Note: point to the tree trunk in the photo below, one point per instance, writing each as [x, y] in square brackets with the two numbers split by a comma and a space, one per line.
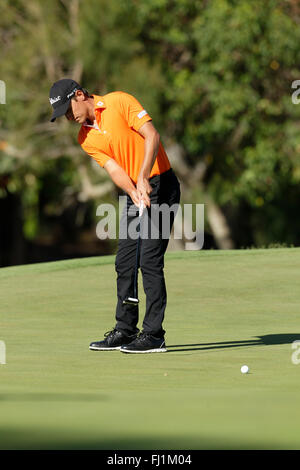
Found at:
[219, 226]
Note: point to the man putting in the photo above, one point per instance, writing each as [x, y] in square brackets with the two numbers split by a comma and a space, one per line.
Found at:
[118, 133]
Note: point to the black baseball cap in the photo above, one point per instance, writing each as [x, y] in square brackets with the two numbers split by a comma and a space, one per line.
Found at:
[60, 96]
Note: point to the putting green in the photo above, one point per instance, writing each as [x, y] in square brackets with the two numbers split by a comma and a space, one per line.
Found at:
[225, 309]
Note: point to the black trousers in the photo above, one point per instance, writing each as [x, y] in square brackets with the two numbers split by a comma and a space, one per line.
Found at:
[153, 245]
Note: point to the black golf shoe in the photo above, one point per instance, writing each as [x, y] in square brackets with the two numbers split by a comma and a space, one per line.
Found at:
[113, 339]
[145, 343]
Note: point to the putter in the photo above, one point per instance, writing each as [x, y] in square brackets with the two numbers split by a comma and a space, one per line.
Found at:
[134, 300]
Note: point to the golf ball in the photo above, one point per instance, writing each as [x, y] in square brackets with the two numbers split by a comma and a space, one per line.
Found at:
[245, 369]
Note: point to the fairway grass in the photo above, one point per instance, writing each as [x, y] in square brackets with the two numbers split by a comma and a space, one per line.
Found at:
[225, 309]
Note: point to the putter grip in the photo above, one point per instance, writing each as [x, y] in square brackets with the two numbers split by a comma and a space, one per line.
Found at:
[141, 208]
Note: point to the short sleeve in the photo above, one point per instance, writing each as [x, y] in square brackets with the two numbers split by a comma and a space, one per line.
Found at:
[133, 111]
[100, 157]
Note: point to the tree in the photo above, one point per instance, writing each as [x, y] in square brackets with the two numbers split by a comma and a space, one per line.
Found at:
[216, 78]
[229, 68]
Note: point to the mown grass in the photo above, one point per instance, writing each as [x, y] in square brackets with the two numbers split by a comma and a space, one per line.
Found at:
[225, 309]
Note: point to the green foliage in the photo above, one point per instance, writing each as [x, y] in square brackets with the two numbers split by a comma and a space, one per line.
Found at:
[230, 65]
[215, 76]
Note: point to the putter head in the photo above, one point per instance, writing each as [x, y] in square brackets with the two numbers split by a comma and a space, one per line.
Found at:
[131, 301]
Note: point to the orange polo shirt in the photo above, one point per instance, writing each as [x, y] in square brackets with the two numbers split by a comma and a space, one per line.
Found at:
[119, 116]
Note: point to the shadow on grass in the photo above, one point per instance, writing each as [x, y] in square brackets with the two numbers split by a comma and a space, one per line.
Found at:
[41, 439]
[260, 341]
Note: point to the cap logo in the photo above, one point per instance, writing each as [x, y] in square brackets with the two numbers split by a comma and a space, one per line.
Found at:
[69, 95]
[54, 100]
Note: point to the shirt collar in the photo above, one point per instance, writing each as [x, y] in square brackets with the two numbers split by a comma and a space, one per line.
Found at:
[98, 104]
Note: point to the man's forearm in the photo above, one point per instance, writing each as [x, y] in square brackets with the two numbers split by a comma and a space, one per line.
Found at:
[151, 146]
[150, 151]
[119, 177]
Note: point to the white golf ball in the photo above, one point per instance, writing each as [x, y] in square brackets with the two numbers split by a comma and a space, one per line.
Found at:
[245, 369]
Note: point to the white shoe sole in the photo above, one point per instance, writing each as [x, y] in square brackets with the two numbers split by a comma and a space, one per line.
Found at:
[104, 349]
[159, 350]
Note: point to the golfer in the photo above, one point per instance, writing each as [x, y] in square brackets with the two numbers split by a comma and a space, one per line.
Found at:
[117, 132]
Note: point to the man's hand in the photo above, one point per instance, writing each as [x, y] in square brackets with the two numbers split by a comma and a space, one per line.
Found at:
[135, 197]
[144, 189]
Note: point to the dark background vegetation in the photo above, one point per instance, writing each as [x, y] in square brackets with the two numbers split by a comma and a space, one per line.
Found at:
[216, 78]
